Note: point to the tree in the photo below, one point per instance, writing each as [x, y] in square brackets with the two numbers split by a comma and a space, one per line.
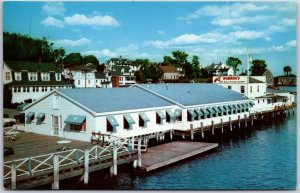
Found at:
[195, 65]
[258, 67]
[90, 59]
[73, 59]
[100, 68]
[58, 55]
[168, 60]
[233, 62]
[287, 69]
[147, 71]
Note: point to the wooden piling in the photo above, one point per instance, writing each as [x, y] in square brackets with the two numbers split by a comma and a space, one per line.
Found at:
[139, 162]
[230, 124]
[132, 142]
[157, 137]
[13, 176]
[171, 135]
[115, 159]
[222, 125]
[192, 132]
[252, 118]
[212, 128]
[86, 167]
[55, 184]
[245, 119]
[202, 132]
[239, 121]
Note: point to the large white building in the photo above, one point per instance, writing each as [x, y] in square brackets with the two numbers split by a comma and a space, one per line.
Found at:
[29, 80]
[136, 111]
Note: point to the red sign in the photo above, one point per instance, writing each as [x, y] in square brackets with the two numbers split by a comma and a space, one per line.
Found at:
[229, 79]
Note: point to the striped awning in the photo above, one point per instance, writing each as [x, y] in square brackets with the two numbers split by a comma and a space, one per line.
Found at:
[210, 110]
[129, 119]
[161, 115]
[171, 114]
[243, 106]
[112, 120]
[234, 107]
[199, 112]
[225, 108]
[40, 116]
[230, 108]
[144, 117]
[177, 112]
[216, 109]
[246, 105]
[251, 103]
[75, 119]
[192, 112]
[30, 115]
[205, 111]
[239, 106]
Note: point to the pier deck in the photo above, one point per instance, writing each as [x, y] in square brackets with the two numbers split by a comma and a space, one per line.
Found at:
[169, 153]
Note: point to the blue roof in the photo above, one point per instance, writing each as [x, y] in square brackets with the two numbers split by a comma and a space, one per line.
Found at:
[114, 99]
[189, 94]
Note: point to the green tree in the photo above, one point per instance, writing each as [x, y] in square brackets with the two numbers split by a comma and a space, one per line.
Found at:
[234, 63]
[196, 69]
[148, 72]
[58, 55]
[168, 60]
[90, 59]
[287, 70]
[258, 67]
[73, 59]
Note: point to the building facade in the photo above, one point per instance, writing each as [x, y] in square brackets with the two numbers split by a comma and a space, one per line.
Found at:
[169, 73]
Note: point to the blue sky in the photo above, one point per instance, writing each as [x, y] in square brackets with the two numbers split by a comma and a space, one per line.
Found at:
[213, 31]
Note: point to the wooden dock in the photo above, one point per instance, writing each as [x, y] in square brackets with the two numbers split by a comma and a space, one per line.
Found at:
[169, 153]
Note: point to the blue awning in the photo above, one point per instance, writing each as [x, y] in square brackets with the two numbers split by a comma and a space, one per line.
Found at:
[21, 106]
[144, 117]
[251, 103]
[216, 110]
[40, 116]
[30, 115]
[242, 106]
[192, 112]
[199, 112]
[161, 115]
[205, 111]
[239, 106]
[177, 112]
[246, 105]
[225, 108]
[210, 110]
[129, 119]
[233, 107]
[112, 120]
[75, 119]
[172, 115]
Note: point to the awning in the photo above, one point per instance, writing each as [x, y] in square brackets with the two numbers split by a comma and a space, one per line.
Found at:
[230, 108]
[239, 106]
[243, 106]
[199, 112]
[112, 120]
[129, 119]
[161, 115]
[40, 116]
[21, 106]
[233, 107]
[75, 119]
[216, 110]
[251, 103]
[246, 105]
[236, 107]
[144, 117]
[172, 115]
[210, 110]
[177, 112]
[225, 108]
[205, 111]
[30, 115]
[192, 112]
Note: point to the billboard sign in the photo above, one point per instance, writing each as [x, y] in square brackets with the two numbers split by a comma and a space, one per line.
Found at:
[229, 79]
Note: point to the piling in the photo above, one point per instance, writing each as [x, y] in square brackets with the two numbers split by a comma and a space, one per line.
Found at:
[139, 162]
[239, 121]
[192, 132]
[132, 142]
[13, 176]
[86, 167]
[222, 125]
[115, 160]
[55, 184]
[252, 117]
[212, 128]
[245, 119]
[230, 124]
[202, 132]
[171, 135]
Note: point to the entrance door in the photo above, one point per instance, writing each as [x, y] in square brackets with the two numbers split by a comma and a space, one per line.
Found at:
[55, 125]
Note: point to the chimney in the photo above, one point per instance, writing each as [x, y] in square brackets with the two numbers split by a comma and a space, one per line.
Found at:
[115, 81]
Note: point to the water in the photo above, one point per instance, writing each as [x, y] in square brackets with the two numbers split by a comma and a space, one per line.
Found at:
[262, 159]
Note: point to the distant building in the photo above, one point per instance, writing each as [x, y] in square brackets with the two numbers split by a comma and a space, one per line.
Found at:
[83, 78]
[102, 80]
[169, 73]
[220, 69]
[125, 75]
[268, 74]
[29, 80]
[290, 80]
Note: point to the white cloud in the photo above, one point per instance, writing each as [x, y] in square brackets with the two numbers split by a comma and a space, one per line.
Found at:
[51, 21]
[106, 53]
[291, 43]
[54, 8]
[288, 22]
[239, 20]
[72, 43]
[81, 19]
[247, 35]
[276, 28]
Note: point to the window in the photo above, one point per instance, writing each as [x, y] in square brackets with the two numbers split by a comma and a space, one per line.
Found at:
[257, 88]
[78, 128]
[263, 100]
[7, 75]
[15, 89]
[18, 76]
[269, 101]
[45, 76]
[28, 88]
[229, 87]
[58, 76]
[250, 89]
[242, 89]
[19, 89]
[78, 82]
[257, 101]
[32, 76]
[24, 89]
[55, 101]
[89, 81]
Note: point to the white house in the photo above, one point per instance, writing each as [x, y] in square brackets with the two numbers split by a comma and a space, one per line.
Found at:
[102, 80]
[7, 74]
[220, 69]
[32, 80]
[84, 79]
[169, 73]
[135, 111]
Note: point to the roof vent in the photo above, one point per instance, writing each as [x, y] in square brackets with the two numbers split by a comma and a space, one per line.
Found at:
[189, 92]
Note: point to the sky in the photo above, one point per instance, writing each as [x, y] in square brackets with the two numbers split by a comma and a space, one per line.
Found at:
[213, 31]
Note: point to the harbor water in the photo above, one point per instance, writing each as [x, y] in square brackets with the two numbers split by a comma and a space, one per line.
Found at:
[261, 159]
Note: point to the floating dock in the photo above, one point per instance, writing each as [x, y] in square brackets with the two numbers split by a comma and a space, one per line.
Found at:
[165, 154]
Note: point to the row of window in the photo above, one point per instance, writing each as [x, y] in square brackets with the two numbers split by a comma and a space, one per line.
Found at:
[35, 88]
[243, 88]
[33, 76]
